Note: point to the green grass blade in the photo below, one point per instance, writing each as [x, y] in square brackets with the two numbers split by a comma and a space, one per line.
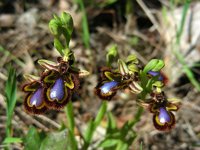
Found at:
[178, 55]
[86, 33]
[11, 89]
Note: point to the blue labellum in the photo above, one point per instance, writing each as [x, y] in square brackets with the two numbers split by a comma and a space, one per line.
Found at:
[36, 99]
[164, 115]
[108, 86]
[156, 73]
[57, 91]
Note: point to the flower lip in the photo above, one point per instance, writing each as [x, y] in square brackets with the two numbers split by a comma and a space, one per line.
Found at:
[105, 88]
[57, 91]
[36, 99]
[164, 116]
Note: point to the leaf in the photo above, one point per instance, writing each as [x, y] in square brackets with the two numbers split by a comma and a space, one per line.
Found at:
[111, 54]
[10, 140]
[89, 132]
[112, 125]
[122, 146]
[108, 143]
[33, 139]
[56, 141]
[101, 113]
[72, 141]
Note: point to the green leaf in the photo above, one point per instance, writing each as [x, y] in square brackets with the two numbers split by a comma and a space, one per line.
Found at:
[154, 65]
[92, 125]
[112, 125]
[122, 146]
[101, 113]
[108, 143]
[89, 132]
[111, 54]
[32, 140]
[10, 91]
[10, 140]
[72, 141]
[56, 141]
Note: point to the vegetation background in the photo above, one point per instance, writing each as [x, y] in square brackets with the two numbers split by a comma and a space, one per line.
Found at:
[163, 29]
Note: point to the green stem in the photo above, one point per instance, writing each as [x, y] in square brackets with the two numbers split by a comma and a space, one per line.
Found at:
[71, 125]
[70, 115]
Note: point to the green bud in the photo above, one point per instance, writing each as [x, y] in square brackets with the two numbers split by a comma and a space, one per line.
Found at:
[132, 59]
[133, 68]
[154, 65]
[111, 55]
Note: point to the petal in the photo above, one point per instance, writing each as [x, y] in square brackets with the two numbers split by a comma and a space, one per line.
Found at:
[83, 73]
[50, 76]
[123, 69]
[107, 90]
[164, 121]
[135, 87]
[172, 107]
[31, 87]
[153, 108]
[57, 95]
[76, 81]
[34, 102]
[69, 81]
